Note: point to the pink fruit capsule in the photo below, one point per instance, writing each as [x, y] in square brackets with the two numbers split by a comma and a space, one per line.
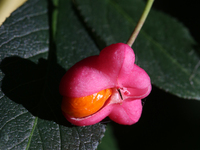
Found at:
[114, 69]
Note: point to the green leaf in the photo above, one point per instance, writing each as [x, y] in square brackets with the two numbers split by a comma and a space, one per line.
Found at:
[31, 69]
[72, 40]
[164, 47]
[109, 141]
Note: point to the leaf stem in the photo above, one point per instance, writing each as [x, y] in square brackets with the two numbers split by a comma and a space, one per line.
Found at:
[140, 23]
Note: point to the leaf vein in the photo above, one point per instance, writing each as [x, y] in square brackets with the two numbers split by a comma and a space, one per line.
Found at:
[29, 16]
[18, 143]
[13, 119]
[32, 132]
[23, 35]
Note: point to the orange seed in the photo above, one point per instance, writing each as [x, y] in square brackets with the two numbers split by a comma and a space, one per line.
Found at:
[85, 106]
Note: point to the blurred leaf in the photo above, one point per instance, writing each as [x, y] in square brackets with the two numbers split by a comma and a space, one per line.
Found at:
[7, 7]
[109, 141]
[30, 114]
[164, 47]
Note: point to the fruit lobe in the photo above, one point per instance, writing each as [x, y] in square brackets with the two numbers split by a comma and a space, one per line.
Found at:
[85, 106]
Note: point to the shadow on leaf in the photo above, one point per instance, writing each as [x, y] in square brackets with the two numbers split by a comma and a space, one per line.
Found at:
[35, 86]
